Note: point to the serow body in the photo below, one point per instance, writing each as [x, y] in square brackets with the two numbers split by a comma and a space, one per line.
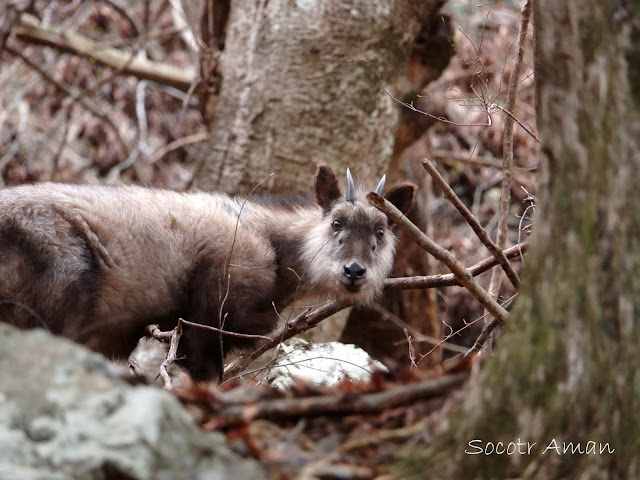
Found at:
[97, 264]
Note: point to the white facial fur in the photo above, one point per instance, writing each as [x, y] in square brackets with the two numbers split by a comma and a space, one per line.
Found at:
[326, 252]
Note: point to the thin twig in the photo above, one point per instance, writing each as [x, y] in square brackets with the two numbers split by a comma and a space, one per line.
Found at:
[299, 324]
[172, 355]
[415, 335]
[55, 163]
[155, 332]
[411, 107]
[487, 329]
[136, 28]
[450, 195]
[187, 29]
[227, 274]
[532, 206]
[507, 169]
[412, 350]
[224, 332]
[178, 143]
[452, 157]
[70, 92]
[271, 363]
[513, 118]
[462, 274]
[12, 16]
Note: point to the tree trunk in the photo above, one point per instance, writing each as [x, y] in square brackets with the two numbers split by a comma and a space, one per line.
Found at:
[566, 370]
[295, 90]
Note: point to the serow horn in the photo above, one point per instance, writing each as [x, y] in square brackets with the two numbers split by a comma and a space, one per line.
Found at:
[380, 186]
[351, 188]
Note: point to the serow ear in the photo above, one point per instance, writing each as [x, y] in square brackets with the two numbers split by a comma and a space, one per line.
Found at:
[402, 197]
[327, 188]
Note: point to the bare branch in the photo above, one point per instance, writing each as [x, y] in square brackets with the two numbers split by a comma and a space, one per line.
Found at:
[486, 332]
[507, 169]
[12, 13]
[452, 157]
[76, 95]
[412, 334]
[185, 26]
[450, 195]
[449, 280]
[136, 28]
[462, 274]
[222, 331]
[179, 143]
[301, 323]
[172, 355]
[526, 128]
[155, 332]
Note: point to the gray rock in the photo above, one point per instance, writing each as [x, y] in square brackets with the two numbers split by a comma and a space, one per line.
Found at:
[64, 415]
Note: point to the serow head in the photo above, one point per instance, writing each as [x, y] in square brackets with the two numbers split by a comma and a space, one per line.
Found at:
[350, 252]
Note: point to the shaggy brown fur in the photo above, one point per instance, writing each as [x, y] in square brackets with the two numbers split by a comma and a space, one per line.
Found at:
[97, 264]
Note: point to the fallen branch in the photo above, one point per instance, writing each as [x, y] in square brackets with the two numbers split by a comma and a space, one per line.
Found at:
[382, 436]
[462, 274]
[29, 29]
[335, 404]
[450, 195]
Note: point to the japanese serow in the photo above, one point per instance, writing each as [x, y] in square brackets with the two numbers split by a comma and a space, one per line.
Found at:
[97, 264]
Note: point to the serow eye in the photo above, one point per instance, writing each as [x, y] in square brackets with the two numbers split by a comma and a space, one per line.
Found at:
[380, 233]
[336, 225]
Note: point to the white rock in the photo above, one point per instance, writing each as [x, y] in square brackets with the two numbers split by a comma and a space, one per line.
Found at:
[320, 363]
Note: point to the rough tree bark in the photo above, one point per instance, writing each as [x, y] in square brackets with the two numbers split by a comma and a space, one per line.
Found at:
[291, 97]
[566, 370]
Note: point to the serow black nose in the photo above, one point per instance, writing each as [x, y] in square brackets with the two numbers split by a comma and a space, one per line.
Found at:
[354, 271]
